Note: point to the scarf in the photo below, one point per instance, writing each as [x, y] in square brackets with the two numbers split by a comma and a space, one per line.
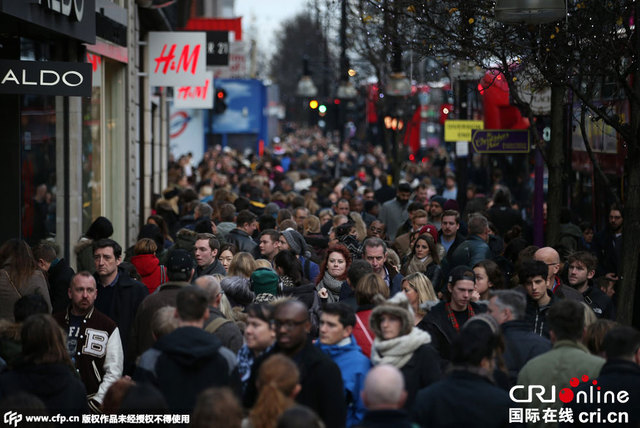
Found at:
[331, 284]
[286, 282]
[399, 350]
[415, 265]
[452, 316]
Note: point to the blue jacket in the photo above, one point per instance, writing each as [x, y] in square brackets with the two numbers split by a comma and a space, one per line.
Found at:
[354, 367]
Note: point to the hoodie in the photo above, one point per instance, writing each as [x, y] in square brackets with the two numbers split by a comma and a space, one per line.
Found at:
[148, 266]
[184, 363]
[354, 367]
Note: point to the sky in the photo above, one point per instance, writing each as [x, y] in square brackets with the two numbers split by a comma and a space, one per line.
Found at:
[266, 16]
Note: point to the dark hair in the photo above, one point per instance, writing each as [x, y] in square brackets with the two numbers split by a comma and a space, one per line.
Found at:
[346, 314]
[101, 228]
[161, 223]
[43, 341]
[131, 270]
[104, 243]
[495, 275]
[595, 333]
[191, 303]
[273, 234]
[586, 258]
[16, 259]
[299, 417]
[29, 305]
[338, 248]
[244, 217]
[227, 212]
[44, 251]
[367, 288]
[531, 268]
[475, 342]
[153, 232]
[290, 265]
[266, 221]
[233, 248]
[621, 342]
[433, 249]
[566, 319]
[262, 311]
[216, 407]
[203, 225]
[143, 398]
[357, 270]
[214, 244]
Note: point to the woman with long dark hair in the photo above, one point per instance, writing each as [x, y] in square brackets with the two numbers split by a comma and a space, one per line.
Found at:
[19, 276]
[424, 258]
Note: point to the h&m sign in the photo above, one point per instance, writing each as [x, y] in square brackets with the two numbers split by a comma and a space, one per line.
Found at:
[45, 78]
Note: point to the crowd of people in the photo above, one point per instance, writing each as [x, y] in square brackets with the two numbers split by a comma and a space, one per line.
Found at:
[302, 289]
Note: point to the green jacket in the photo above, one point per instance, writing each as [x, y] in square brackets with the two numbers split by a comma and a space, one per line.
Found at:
[567, 359]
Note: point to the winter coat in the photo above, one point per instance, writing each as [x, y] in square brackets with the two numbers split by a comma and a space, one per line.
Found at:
[59, 276]
[141, 338]
[56, 385]
[386, 418]
[566, 360]
[321, 381]
[212, 269]
[521, 345]
[184, 363]
[393, 214]
[84, 256]
[504, 218]
[152, 272]
[242, 240]
[470, 252]
[535, 316]
[228, 333]
[9, 294]
[362, 332]
[599, 302]
[354, 367]
[462, 399]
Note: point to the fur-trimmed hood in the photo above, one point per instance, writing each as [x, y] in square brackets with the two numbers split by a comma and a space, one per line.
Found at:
[397, 306]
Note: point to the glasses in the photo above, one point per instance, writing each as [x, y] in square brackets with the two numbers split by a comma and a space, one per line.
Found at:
[288, 324]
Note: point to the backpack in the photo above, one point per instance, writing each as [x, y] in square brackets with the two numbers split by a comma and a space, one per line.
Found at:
[214, 325]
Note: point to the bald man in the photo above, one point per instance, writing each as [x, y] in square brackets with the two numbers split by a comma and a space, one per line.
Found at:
[384, 396]
[552, 259]
[320, 378]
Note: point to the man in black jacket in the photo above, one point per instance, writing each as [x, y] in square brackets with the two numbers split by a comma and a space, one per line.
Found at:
[384, 396]
[241, 236]
[206, 255]
[188, 360]
[118, 295]
[320, 378]
[507, 308]
[58, 273]
[582, 268]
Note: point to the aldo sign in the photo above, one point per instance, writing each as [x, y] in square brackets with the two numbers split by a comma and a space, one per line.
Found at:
[45, 78]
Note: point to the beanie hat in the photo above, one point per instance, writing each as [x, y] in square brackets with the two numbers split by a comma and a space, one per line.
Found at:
[179, 261]
[296, 242]
[264, 280]
[429, 229]
[451, 204]
[101, 228]
[440, 200]
[397, 306]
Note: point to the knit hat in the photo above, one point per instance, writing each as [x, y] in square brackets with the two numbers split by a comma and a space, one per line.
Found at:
[451, 204]
[264, 280]
[439, 200]
[101, 228]
[180, 261]
[296, 242]
[431, 230]
[397, 306]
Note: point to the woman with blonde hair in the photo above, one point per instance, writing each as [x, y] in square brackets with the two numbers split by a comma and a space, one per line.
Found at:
[419, 291]
[361, 227]
[278, 384]
[243, 264]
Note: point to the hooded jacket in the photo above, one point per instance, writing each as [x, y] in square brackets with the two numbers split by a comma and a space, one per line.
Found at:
[535, 316]
[184, 363]
[56, 385]
[148, 266]
[354, 367]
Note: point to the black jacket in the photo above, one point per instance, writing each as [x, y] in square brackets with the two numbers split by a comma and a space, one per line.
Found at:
[463, 399]
[535, 316]
[420, 371]
[59, 276]
[128, 294]
[442, 332]
[321, 381]
[599, 302]
[213, 268]
[616, 375]
[184, 363]
[521, 345]
[242, 240]
[385, 419]
[56, 385]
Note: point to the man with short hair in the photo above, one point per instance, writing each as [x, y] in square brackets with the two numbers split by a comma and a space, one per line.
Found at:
[269, 244]
[300, 214]
[93, 340]
[581, 269]
[374, 251]
[384, 396]
[58, 273]
[377, 229]
[320, 378]
[227, 213]
[621, 372]
[436, 208]
[118, 294]
[342, 207]
[241, 236]
[551, 258]
[413, 208]
[217, 324]
[521, 344]
[180, 271]
[188, 360]
[533, 277]
[394, 212]
[568, 359]
[336, 340]
[444, 320]
[356, 271]
[206, 255]
[449, 236]
[475, 248]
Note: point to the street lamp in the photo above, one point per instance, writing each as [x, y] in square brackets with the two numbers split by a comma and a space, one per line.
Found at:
[529, 11]
[306, 88]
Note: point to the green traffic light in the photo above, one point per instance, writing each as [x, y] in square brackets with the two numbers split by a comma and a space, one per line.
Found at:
[322, 108]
